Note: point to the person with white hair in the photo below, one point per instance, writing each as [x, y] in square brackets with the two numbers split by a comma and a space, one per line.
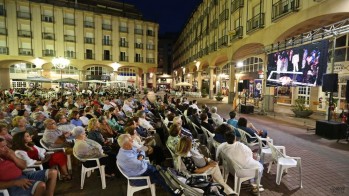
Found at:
[217, 119]
[85, 148]
[178, 120]
[131, 161]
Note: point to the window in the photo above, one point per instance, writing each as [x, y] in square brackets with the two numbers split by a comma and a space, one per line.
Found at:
[89, 54]
[72, 70]
[97, 70]
[125, 71]
[304, 93]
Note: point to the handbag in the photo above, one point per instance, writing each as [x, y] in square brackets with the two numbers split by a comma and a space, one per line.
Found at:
[209, 188]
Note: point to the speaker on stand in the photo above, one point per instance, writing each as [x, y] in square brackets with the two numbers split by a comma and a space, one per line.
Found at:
[330, 84]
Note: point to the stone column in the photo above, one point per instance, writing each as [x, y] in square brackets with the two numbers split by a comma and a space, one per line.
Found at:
[191, 76]
[5, 78]
[199, 79]
[137, 81]
[232, 88]
[211, 83]
[145, 79]
[154, 80]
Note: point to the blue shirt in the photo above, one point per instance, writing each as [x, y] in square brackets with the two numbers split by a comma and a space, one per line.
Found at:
[77, 122]
[128, 162]
[233, 122]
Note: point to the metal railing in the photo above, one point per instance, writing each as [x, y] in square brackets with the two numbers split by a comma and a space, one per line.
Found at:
[89, 24]
[24, 15]
[24, 33]
[106, 26]
[123, 44]
[236, 4]
[238, 33]
[107, 42]
[25, 51]
[123, 58]
[150, 60]
[70, 54]
[89, 40]
[150, 33]
[89, 56]
[223, 41]
[139, 59]
[283, 7]
[107, 57]
[49, 36]
[224, 15]
[123, 29]
[3, 31]
[69, 21]
[3, 50]
[48, 53]
[139, 31]
[139, 45]
[69, 38]
[255, 22]
[150, 46]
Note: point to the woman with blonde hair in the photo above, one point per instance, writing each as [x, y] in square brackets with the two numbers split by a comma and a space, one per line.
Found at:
[184, 151]
[94, 133]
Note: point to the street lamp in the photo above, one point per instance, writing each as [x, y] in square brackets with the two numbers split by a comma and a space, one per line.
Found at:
[60, 63]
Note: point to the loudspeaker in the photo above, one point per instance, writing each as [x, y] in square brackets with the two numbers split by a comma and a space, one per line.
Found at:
[330, 82]
[347, 92]
[240, 87]
[246, 84]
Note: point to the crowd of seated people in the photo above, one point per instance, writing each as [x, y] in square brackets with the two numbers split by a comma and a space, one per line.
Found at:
[89, 126]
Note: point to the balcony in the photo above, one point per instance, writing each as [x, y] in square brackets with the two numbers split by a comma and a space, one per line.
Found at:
[139, 59]
[150, 33]
[123, 58]
[2, 12]
[89, 24]
[49, 53]
[106, 42]
[123, 29]
[25, 51]
[23, 33]
[107, 57]
[70, 54]
[3, 50]
[150, 47]
[238, 33]
[282, 8]
[139, 45]
[23, 15]
[69, 38]
[214, 24]
[89, 56]
[123, 44]
[89, 40]
[106, 27]
[150, 60]
[69, 21]
[223, 41]
[3, 31]
[224, 15]
[139, 31]
[49, 36]
[46, 18]
[213, 47]
[97, 77]
[236, 4]
[255, 23]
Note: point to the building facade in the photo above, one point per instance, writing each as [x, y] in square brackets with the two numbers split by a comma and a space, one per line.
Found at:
[227, 41]
[104, 40]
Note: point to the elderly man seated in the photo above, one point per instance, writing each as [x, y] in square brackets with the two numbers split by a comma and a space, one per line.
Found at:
[131, 161]
[17, 182]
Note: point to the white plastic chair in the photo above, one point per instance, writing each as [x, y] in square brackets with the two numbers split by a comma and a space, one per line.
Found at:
[48, 149]
[244, 136]
[131, 189]
[284, 162]
[88, 170]
[240, 174]
[4, 192]
[209, 137]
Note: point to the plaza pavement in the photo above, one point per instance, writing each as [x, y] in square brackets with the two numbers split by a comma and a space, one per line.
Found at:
[325, 163]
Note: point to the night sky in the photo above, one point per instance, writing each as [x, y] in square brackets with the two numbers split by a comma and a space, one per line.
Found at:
[170, 14]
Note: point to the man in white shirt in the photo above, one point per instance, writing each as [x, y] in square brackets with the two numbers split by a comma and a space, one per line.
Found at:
[239, 153]
[107, 105]
[194, 105]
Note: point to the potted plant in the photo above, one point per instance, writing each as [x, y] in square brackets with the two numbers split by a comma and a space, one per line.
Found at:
[145, 91]
[204, 92]
[219, 96]
[300, 110]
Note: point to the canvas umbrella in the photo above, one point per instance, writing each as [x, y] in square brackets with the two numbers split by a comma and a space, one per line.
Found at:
[66, 80]
[39, 79]
[183, 84]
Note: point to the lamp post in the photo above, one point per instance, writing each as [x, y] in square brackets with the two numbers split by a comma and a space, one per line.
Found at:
[60, 63]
